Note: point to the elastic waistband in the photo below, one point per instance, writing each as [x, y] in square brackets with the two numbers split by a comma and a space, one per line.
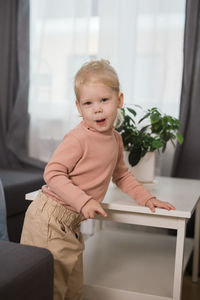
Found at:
[59, 211]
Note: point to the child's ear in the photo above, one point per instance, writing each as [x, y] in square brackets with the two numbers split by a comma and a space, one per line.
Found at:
[121, 100]
[78, 107]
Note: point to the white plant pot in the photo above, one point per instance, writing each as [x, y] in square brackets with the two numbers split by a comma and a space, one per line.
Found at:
[144, 171]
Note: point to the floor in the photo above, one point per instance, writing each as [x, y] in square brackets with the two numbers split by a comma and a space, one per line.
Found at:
[191, 291]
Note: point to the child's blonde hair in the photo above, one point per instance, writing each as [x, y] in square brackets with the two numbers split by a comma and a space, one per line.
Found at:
[97, 70]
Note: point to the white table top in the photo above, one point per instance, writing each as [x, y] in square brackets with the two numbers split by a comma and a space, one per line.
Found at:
[182, 193]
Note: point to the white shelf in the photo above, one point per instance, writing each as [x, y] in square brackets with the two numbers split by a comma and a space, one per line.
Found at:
[130, 265]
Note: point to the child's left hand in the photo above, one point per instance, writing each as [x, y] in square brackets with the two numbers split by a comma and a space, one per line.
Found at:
[153, 202]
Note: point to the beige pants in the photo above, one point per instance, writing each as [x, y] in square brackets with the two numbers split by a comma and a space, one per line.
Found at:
[50, 225]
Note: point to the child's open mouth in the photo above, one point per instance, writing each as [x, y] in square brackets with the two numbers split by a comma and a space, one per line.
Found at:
[101, 122]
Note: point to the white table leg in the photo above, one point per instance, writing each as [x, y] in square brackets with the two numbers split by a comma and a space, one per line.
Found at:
[178, 271]
[195, 268]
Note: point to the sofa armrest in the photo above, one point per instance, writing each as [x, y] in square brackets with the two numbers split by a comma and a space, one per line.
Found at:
[26, 272]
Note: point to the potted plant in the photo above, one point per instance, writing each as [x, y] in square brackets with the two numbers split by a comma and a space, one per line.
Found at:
[142, 136]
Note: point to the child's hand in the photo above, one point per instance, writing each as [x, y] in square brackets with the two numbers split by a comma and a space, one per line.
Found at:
[92, 207]
[153, 202]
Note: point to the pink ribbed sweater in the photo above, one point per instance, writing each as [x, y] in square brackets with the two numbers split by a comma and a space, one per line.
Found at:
[83, 165]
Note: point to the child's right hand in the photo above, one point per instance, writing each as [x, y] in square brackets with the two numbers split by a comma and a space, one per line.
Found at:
[92, 207]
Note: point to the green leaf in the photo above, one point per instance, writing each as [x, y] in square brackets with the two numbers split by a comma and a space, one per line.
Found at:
[157, 144]
[154, 118]
[179, 138]
[143, 118]
[137, 105]
[164, 147]
[143, 129]
[134, 156]
[132, 111]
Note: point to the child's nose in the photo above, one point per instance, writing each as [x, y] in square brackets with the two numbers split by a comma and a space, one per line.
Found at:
[98, 108]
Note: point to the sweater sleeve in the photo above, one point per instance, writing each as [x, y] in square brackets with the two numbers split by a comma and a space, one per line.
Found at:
[124, 179]
[57, 173]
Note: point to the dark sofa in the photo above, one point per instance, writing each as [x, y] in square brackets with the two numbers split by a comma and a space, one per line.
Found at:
[26, 272]
[16, 183]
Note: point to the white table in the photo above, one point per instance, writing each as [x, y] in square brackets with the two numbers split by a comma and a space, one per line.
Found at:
[135, 265]
[131, 265]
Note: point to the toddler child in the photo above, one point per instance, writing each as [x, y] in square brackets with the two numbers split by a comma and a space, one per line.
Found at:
[77, 178]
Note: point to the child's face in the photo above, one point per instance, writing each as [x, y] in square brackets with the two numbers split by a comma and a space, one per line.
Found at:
[98, 105]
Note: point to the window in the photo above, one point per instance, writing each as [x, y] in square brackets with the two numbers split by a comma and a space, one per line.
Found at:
[143, 39]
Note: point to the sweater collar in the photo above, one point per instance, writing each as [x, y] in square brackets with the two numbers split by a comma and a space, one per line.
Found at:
[90, 129]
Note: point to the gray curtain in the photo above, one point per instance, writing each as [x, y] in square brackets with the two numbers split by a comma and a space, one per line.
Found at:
[14, 84]
[187, 156]
[3, 224]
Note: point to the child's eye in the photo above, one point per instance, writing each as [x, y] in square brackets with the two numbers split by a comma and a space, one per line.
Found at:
[104, 99]
[87, 103]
